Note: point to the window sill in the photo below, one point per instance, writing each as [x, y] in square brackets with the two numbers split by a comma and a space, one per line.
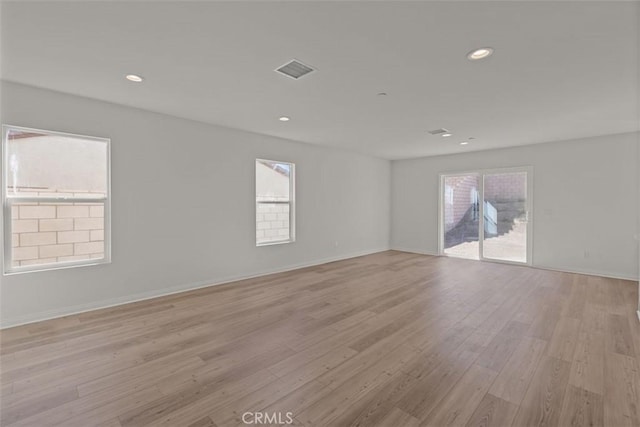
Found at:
[277, 242]
[57, 266]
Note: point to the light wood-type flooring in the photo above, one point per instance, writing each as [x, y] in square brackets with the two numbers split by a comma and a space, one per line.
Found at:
[390, 339]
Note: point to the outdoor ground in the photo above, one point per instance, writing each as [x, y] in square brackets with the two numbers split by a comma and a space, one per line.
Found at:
[511, 246]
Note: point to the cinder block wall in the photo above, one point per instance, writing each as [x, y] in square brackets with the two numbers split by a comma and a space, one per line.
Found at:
[45, 233]
[272, 221]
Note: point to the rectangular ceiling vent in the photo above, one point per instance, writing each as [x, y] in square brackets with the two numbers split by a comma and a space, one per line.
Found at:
[438, 131]
[295, 69]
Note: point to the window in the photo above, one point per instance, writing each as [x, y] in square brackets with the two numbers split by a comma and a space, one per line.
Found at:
[55, 199]
[274, 202]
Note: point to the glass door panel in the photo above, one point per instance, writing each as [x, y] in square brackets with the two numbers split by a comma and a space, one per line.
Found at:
[505, 214]
[461, 215]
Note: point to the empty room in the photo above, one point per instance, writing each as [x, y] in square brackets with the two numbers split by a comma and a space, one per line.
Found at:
[320, 213]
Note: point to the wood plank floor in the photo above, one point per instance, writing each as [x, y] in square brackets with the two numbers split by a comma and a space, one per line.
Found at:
[390, 339]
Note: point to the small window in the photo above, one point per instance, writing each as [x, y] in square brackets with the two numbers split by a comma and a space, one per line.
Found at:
[274, 202]
[55, 200]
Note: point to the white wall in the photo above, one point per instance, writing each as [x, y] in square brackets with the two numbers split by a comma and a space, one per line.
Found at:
[183, 205]
[585, 197]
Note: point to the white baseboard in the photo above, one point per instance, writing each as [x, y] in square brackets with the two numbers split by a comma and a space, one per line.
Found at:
[587, 272]
[413, 251]
[542, 267]
[534, 265]
[66, 311]
[82, 308]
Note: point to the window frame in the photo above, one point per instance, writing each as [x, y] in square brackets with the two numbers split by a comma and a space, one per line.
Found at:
[6, 248]
[291, 202]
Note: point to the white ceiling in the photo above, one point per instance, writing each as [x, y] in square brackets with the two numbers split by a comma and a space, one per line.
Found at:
[560, 70]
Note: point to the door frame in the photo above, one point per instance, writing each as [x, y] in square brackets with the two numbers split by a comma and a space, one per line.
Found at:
[480, 173]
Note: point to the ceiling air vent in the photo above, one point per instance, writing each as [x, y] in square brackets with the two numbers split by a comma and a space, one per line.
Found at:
[294, 69]
[438, 131]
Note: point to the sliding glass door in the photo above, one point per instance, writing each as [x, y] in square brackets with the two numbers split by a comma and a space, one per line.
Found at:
[506, 216]
[461, 215]
[485, 215]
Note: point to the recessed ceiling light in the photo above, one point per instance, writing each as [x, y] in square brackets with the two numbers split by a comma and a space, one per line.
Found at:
[284, 119]
[464, 142]
[446, 135]
[134, 78]
[481, 53]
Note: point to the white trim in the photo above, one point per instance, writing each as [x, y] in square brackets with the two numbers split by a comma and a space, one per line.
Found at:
[61, 265]
[528, 209]
[275, 242]
[7, 201]
[442, 177]
[638, 313]
[55, 132]
[519, 264]
[85, 200]
[481, 224]
[587, 273]
[82, 308]
[291, 202]
[440, 227]
[413, 251]
[481, 174]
